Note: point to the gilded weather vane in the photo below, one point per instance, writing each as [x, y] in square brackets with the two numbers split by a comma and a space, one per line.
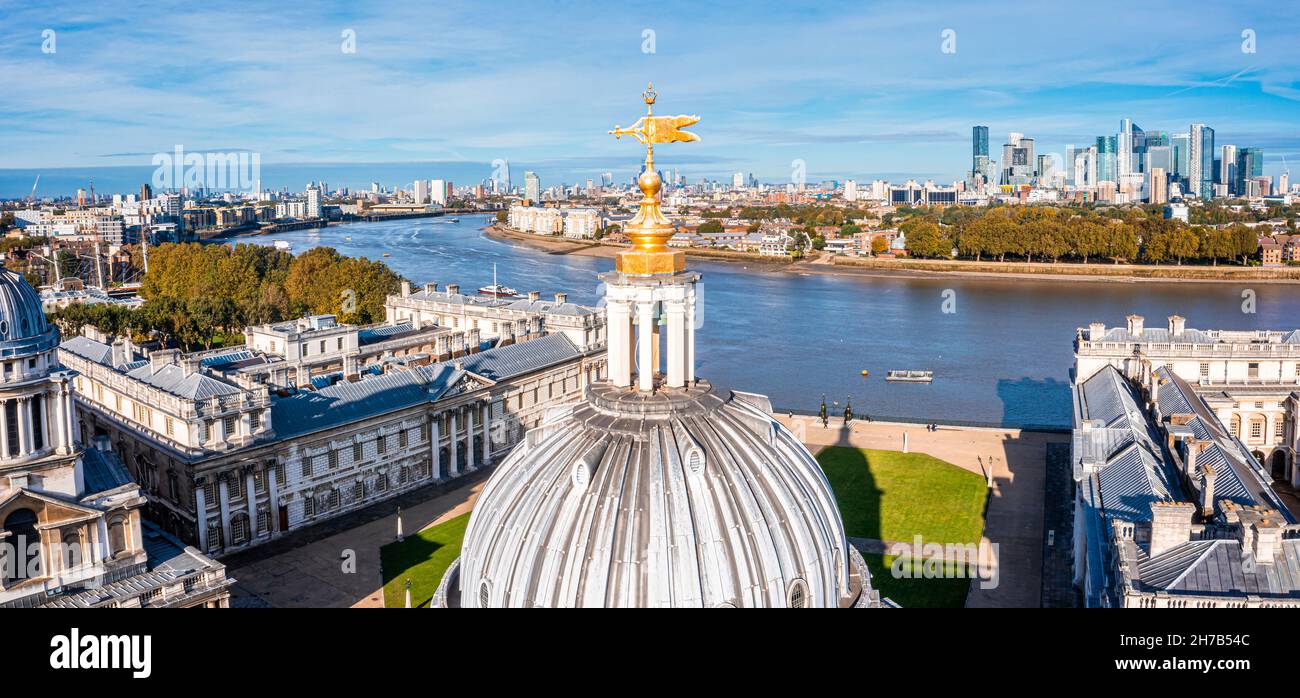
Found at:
[649, 230]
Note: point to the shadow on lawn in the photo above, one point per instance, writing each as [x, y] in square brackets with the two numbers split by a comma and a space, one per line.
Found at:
[399, 560]
[856, 457]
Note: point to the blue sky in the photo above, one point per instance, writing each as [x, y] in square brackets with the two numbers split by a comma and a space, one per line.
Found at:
[857, 90]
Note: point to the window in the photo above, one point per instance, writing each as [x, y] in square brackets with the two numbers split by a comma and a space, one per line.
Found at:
[484, 594]
[1252, 370]
[228, 423]
[259, 481]
[1259, 405]
[306, 467]
[209, 492]
[1279, 429]
[332, 458]
[21, 527]
[1256, 429]
[356, 453]
[263, 521]
[381, 444]
[335, 499]
[170, 425]
[424, 432]
[401, 439]
[340, 344]
[254, 420]
[308, 506]
[117, 536]
[797, 594]
[279, 474]
[1205, 370]
[239, 530]
[322, 346]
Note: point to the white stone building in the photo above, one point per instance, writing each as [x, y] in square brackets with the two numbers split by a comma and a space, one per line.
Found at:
[71, 527]
[581, 223]
[1251, 379]
[231, 457]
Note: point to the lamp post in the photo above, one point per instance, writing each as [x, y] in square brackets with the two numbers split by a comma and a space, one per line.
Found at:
[399, 523]
[408, 592]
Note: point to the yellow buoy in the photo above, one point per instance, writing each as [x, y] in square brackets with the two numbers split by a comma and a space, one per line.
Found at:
[864, 373]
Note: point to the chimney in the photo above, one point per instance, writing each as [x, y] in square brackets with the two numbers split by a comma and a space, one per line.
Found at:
[1171, 526]
[1176, 325]
[1208, 476]
[534, 296]
[1096, 331]
[1267, 541]
[431, 288]
[1135, 325]
[128, 347]
[162, 357]
[190, 363]
[119, 352]
[406, 289]
[453, 290]
[561, 298]
[472, 340]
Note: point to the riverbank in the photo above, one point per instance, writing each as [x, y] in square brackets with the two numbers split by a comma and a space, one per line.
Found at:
[843, 266]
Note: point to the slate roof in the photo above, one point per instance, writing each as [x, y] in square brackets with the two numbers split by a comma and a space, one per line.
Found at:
[370, 335]
[1214, 567]
[351, 401]
[88, 348]
[172, 378]
[103, 471]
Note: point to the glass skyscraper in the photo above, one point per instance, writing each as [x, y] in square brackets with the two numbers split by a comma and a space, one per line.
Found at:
[979, 141]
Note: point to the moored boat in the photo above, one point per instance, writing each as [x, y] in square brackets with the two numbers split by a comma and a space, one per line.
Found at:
[909, 376]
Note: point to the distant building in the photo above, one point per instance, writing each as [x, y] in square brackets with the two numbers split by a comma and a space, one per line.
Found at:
[1177, 212]
[532, 187]
[313, 209]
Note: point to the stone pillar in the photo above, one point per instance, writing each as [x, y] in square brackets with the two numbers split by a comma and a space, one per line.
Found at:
[451, 441]
[676, 344]
[73, 425]
[103, 552]
[201, 512]
[645, 346]
[251, 492]
[690, 335]
[24, 426]
[4, 429]
[274, 489]
[487, 432]
[620, 342]
[435, 447]
[223, 498]
[469, 437]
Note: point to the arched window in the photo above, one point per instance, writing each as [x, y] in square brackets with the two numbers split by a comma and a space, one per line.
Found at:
[72, 553]
[117, 536]
[484, 594]
[797, 594]
[24, 544]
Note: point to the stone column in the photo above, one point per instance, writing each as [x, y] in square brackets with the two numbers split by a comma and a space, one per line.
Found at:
[223, 498]
[251, 492]
[201, 512]
[690, 336]
[469, 437]
[487, 432]
[73, 424]
[103, 552]
[620, 342]
[676, 344]
[435, 447]
[451, 441]
[645, 345]
[24, 426]
[274, 488]
[4, 429]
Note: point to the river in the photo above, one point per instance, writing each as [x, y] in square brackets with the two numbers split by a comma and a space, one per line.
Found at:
[1002, 356]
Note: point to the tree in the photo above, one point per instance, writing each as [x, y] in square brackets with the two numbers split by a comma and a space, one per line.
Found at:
[879, 245]
[710, 226]
[926, 240]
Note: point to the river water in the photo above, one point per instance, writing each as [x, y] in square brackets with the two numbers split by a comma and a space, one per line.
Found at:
[1003, 356]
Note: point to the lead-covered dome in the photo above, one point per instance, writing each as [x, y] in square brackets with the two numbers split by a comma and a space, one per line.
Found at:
[23, 327]
[676, 498]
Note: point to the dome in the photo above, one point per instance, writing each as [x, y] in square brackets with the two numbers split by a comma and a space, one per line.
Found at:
[676, 498]
[23, 327]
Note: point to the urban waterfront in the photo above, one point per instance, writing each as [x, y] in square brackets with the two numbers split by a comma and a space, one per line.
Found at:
[1002, 358]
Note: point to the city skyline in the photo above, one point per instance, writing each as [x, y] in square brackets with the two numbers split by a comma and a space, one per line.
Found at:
[897, 107]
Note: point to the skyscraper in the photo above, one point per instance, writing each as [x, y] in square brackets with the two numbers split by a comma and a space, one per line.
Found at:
[1108, 159]
[1181, 144]
[1159, 186]
[1017, 160]
[1250, 164]
[979, 164]
[1123, 149]
[313, 201]
[420, 191]
[532, 187]
[1227, 173]
[1200, 161]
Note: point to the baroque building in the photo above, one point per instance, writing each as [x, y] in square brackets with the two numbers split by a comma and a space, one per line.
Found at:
[71, 527]
[312, 418]
[651, 488]
[1249, 379]
[1171, 509]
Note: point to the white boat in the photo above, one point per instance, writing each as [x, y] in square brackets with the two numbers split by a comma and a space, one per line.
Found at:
[909, 376]
[496, 290]
[282, 245]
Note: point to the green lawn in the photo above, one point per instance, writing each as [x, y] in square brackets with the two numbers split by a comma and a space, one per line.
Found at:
[893, 496]
[422, 558]
[917, 592]
[889, 495]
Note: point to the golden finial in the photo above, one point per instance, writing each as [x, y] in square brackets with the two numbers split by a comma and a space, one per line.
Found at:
[650, 230]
